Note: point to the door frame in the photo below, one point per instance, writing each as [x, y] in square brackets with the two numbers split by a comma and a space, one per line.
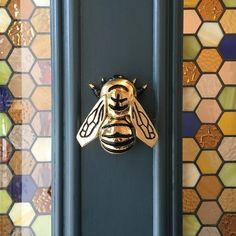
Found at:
[167, 80]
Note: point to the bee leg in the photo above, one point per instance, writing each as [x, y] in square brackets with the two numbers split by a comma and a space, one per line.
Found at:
[95, 90]
[141, 90]
[134, 81]
[103, 81]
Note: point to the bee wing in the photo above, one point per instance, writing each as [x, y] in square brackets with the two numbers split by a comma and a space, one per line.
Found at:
[90, 128]
[145, 130]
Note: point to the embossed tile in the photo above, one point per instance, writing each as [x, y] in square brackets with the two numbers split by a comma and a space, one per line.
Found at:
[42, 201]
[190, 73]
[227, 224]
[5, 225]
[190, 200]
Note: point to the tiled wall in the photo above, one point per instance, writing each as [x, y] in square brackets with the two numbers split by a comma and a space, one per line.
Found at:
[209, 118]
[25, 118]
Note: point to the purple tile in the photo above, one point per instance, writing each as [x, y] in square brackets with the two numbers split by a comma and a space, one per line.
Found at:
[5, 98]
[190, 124]
[227, 47]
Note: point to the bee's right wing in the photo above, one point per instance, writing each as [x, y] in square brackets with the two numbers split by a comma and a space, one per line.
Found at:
[90, 128]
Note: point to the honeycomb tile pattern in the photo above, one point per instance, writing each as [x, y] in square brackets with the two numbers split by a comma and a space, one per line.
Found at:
[209, 118]
[25, 118]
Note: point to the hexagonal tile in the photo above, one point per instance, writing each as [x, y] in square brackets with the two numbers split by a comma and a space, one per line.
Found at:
[191, 21]
[42, 201]
[190, 175]
[19, 231]
[5, 150]
[21, 85]
[42, 174]
[21, 10]
[210, 10]
[229, 3]
[190, 99]
[5, 73]
[190, 124]
[227, 47]
[227, 225]
[209, 162]
[190, 73]
[209, 86]
[227, 123]
[208, 111]
[227, 200]
[210, 34]
[6, 176]
[22, 188]
[41, 72]
[42, 98]
[190, 149]
[22, 214]
[209, 187]
[191, 225]
[207, 231]
[5, 20]
[41, 46]
[22, 163]
[41, 20]
[6, 225]
[21, 33]
[3, 3]
[228, 72]
[190, 200]
[229, 16]
[228, 174]
[227, 98]
[22, 136]
[227, 148]
[208, 136]
[5, 200]
[21, 111]
[5, 47]
[42, 149]
[191, 47]
[42, 123]
[5, 98]
[5, 124]
[21, 60]
[209, 60]
[42, 225]
[209, 213]
[42, 3]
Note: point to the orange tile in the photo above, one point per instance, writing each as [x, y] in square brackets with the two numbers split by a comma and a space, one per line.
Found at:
[190, 149]
[227, 225]
[190, 73]
[190, 200]
[41, 46]
[42, 98]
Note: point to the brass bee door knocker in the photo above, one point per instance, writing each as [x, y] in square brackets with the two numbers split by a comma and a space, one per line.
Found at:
[117, 118]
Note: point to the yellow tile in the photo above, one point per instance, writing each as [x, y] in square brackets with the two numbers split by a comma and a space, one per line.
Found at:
[227, 123]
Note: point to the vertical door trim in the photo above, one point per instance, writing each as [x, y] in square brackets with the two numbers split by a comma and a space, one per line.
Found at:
[167, 156]
[167, 58]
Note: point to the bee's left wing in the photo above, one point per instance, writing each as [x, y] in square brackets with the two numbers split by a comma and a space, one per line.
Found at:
[90, 128]
[145, 130]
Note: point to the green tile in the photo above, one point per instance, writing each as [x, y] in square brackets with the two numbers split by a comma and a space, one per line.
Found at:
[227, 98]
[191, 225]
[191, 47]
[5, 124]
[5, 72]
[42, 225]
[5, 201]
[230, 3]
[228, 174]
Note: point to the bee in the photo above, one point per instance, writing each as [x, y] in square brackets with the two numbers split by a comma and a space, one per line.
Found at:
[117, 118]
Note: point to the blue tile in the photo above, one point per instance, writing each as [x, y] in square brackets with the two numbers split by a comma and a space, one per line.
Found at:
[227, 47]
[190, 124]
[22, 188]
[5, 99]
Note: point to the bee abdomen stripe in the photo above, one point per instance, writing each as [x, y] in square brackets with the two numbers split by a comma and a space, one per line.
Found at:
[116, 150]
[117, 135]
[118, 124]
[118, 144]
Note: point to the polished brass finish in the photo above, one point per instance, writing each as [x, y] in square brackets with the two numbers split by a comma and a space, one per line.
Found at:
[117, 118]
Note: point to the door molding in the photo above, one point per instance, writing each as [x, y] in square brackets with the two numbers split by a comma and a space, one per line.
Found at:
[167, 167]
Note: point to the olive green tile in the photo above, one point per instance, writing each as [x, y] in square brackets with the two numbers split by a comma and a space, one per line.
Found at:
[227, 98]
[191, 225]
[230, 3]
[191, 47]
[5, 201]
[228, 174]
[5, 124]
[5, 72]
